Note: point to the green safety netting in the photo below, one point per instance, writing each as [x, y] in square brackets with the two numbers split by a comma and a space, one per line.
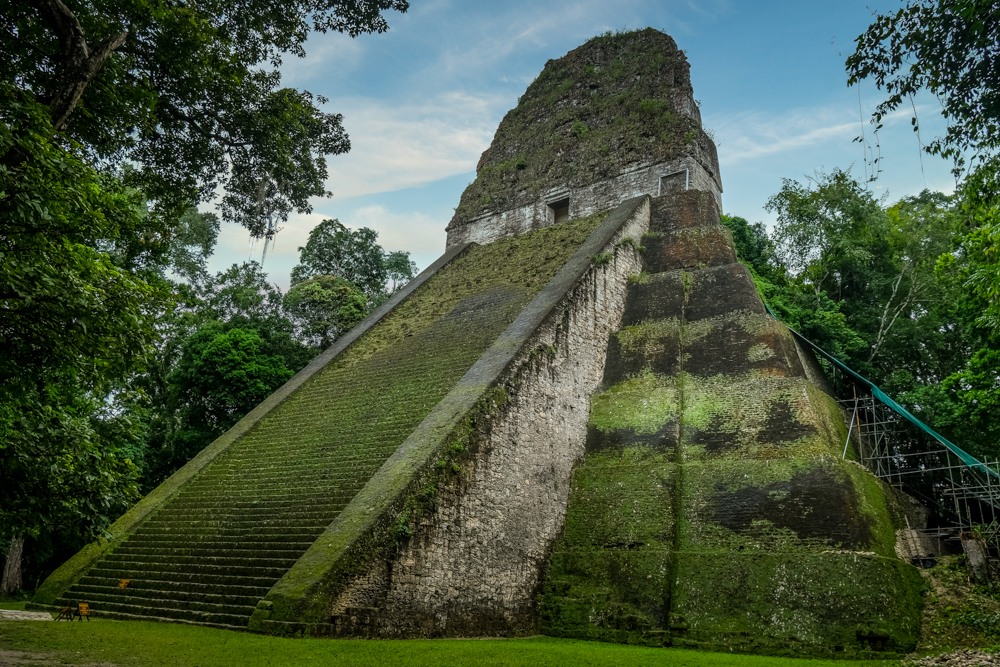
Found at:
[967, 458]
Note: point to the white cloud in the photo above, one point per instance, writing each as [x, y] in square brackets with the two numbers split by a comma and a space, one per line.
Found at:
[754, 134]
[396, 147]
[415, 232]
[323, 52]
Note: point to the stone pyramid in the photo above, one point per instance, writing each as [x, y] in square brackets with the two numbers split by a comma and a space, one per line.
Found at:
[579, 421]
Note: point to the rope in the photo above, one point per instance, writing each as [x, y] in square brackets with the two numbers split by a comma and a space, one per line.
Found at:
[966, 458]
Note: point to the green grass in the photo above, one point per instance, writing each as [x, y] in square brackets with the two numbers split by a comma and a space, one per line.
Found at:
[139, 644]
[13, 604]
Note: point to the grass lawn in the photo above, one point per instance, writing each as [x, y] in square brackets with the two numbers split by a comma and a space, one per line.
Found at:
[138, 644]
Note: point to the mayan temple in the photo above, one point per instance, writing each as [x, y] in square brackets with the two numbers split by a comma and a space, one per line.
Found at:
[580, 421]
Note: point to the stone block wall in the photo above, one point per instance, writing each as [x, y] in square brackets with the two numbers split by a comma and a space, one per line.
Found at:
[244, 513]
[688, 172]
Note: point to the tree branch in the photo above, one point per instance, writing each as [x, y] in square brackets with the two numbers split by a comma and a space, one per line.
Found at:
[79, 66]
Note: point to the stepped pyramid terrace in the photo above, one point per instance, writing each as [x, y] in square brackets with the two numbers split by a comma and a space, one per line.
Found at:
[580, 421]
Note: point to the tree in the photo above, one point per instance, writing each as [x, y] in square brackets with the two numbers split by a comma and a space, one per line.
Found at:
[335, 250]
[980, 199]
[753, 246]
[11, 581]
[952, 49]
[948, 47]
[192, 243]
[182, 91]
[876, 267]
[355, 256]
[76, 316]
[327, 306]
[222, 374]
[889, 290]
[812, 314]
[827, 231]
[104, 107]
[399, 269]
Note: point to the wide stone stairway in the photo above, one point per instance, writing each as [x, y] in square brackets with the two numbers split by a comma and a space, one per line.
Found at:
[227, 536]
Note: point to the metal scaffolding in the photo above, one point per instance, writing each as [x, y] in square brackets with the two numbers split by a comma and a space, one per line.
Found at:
[906, 457]
[908, 454]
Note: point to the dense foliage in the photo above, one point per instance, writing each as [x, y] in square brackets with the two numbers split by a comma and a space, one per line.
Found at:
[233, 341]
[188, 92]
[115, 117]
[884, 288]
[950, 48]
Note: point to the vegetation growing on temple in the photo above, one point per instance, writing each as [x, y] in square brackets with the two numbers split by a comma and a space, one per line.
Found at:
[606, 105]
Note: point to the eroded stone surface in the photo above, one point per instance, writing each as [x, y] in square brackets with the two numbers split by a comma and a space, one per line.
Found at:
[611, 120]
[713, 508]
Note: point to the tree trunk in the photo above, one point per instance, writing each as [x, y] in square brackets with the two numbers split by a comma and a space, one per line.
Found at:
[77, 64]
[11, 582]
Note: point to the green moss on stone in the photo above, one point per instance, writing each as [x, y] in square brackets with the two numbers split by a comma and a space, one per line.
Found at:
[594, 97]
[643, 403]
[647, 338]
[814, 604]
[609, 575]
[618, 595]
[623, 499]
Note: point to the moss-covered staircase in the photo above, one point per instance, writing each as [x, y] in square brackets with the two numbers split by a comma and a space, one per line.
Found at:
[207, 545]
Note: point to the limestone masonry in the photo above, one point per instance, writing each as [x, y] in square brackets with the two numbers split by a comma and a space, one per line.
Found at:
[580, 421]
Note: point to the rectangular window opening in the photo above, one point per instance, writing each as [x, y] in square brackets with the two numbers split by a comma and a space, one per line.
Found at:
[560, 211]
[675, 182]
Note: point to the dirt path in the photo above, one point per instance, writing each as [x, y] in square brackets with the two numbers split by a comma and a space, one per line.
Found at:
[52, 659]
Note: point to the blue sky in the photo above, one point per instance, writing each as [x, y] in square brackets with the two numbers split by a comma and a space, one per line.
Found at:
[422, 101]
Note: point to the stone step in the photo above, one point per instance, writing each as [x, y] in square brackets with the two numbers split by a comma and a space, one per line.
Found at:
[201, 561]
[302, 500]
[336, 470]
[230, 535]
[237, 607]
[136, 570]
[119, 616]
[262, 514]
[215, 543]
[277, 483]
[165, 612]
[263, 533]
[210, 552]
[145, 582]
[187, 525]
[257, 494]
[686, 249]
[138, 593]
[334, 464]
[346, 451]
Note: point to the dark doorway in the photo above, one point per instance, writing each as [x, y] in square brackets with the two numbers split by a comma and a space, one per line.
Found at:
[560, 211]
[674, 183]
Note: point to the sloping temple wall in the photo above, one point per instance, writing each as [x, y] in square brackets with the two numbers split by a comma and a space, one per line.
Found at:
[471, 561]
[713, 507]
